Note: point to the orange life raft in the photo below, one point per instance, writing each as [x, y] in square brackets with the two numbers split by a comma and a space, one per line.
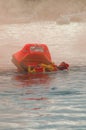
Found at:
[36, 58]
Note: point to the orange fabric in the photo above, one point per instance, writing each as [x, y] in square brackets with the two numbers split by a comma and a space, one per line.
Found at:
[27, 56]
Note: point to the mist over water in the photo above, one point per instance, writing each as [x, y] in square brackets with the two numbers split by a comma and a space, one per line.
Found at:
[41, 10]
[59, 23]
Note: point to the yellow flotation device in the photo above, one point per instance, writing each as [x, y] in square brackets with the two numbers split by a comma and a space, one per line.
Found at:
[31, 69]
[49, 67]
[42, 68]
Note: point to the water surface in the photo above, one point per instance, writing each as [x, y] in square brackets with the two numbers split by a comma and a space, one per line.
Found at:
[44, 101]
[54, 101]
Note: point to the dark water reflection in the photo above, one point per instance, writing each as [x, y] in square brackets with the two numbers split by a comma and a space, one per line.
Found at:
[33, 79]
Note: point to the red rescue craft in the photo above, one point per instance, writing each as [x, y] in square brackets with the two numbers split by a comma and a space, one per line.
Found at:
[36, 58]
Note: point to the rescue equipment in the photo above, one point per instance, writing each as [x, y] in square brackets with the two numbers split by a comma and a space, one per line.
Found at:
[35, 58]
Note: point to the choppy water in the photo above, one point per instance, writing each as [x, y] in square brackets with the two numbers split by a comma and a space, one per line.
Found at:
[44, 101]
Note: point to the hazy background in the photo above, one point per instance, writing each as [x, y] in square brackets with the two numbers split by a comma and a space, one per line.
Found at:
[61, 24]
[39, 10]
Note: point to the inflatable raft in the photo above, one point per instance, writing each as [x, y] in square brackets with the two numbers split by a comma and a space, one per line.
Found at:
[35, 58]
